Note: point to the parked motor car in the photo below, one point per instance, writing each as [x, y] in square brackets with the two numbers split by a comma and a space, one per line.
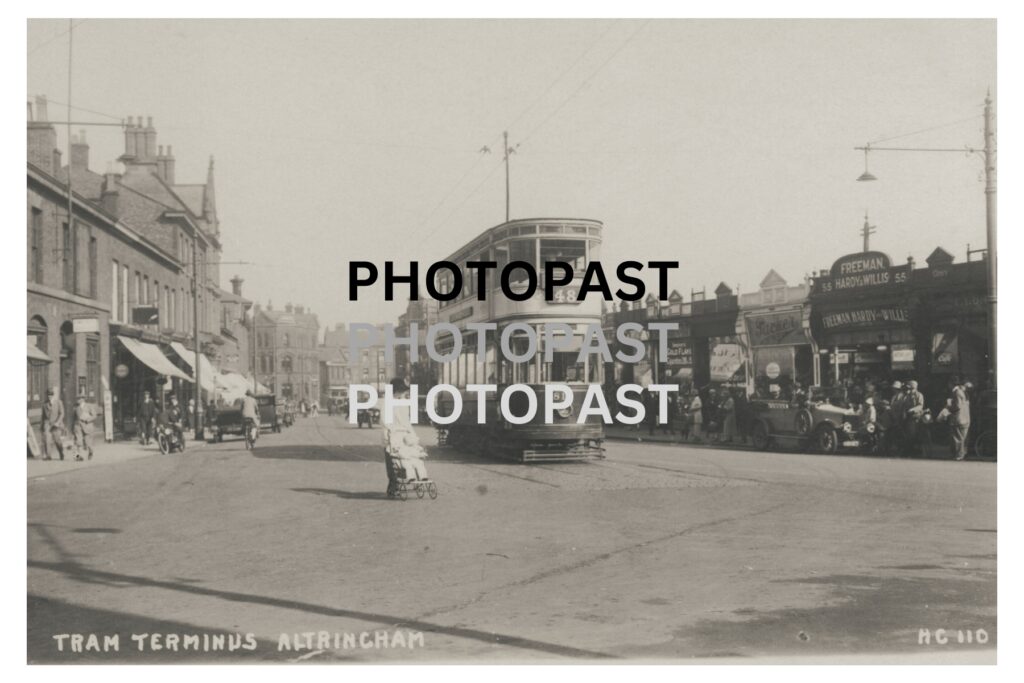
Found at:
[810, 423]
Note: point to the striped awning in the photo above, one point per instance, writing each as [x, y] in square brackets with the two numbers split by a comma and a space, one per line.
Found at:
[151, 356]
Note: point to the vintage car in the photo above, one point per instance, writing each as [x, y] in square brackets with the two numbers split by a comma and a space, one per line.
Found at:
[228, 420]
[809, 423]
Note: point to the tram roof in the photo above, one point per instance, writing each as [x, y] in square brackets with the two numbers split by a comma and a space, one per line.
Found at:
[502, 230]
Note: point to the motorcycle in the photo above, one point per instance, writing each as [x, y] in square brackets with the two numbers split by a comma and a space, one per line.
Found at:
[170, 439]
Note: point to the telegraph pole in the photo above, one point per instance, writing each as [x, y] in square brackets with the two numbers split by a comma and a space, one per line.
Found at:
[990, 230]
[195, 335]
[867, 231]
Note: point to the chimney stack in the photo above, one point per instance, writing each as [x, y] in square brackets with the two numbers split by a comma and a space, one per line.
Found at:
[129, 138]
[42, 140]
[79, 152]
[299, 310]
[288, 307]
[108, 197]
[150, 137]
[165, 164]
[236, 285]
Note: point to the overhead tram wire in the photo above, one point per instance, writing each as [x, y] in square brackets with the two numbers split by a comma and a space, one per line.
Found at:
[926, 130]
[59, 35]
[587, 80]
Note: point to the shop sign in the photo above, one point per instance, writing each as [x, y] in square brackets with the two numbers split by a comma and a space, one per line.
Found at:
[945, 350]
[902, 355]
[859, 272]
[868, 357]
[776, 329]
[85, 325]
[960, 305]
[680, 354]
[726, 360]
[842, 358]
[120, 370]
[864, 317]
[773, 370]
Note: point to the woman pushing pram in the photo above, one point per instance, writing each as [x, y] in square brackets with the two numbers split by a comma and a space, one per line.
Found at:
[403, 454]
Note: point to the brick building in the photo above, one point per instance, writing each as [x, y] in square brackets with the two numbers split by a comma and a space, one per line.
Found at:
[110, 296]
[287, 352]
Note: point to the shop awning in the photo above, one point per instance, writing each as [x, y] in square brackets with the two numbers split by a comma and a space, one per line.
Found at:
[153, 357]
[208, 371]
[36, 353]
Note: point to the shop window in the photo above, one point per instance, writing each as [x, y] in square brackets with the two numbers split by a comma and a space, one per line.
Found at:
[38, 371]
[286, 364]
[115, 295]
[93, 267]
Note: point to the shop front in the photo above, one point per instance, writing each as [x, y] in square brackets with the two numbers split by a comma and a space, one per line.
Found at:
[141, 364]
[779, 351]
[864, 342]
[862, 322]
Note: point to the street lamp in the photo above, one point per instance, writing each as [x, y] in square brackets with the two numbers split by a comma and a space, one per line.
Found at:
[988, 154]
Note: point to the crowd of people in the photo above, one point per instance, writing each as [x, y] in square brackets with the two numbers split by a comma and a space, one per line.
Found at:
[897, 409]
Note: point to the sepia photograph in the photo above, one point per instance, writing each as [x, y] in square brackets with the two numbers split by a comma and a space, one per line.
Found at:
[510, 341]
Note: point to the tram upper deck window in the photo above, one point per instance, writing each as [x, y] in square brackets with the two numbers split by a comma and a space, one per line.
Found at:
[573, 252]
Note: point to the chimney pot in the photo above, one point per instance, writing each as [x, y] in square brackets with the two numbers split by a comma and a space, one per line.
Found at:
[160, 150]
[236, 285]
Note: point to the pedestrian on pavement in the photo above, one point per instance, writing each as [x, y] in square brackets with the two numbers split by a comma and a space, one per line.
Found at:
[82, 427]
[191, 414]
[696, 416]
[683, 408]
[650, 402]
[728, 418]
[959, 417]
[912, 406]
[53, 425]
[147, 418]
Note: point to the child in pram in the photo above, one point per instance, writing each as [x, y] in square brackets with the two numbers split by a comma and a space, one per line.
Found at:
[403, 454]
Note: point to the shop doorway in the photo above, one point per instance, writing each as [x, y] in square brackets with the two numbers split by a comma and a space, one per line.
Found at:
[67, 367]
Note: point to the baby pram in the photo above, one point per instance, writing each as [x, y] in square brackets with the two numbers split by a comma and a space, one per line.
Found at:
[401, 481]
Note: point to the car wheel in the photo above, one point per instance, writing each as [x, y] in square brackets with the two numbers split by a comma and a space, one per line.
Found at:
[825, 440]
[760, 437]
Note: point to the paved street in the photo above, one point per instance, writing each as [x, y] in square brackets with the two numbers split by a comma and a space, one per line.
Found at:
[659, 552]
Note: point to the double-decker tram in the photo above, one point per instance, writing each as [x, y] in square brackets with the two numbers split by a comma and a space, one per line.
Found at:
[534, 241]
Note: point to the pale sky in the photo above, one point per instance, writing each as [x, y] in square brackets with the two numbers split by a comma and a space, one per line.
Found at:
[726, 145]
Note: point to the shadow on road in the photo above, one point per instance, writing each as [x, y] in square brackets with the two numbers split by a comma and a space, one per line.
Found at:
[348, 495]
[346, 453]
[77, 572]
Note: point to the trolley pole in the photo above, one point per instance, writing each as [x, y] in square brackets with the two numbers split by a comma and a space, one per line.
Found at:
[507, 193]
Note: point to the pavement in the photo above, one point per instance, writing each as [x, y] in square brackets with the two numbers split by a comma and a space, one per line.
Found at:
[658, 553]
[103, 454]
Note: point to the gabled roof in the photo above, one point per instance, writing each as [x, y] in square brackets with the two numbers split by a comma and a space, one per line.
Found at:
[939, 257]
[675, 296]
[772, 279]
[723, 290]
